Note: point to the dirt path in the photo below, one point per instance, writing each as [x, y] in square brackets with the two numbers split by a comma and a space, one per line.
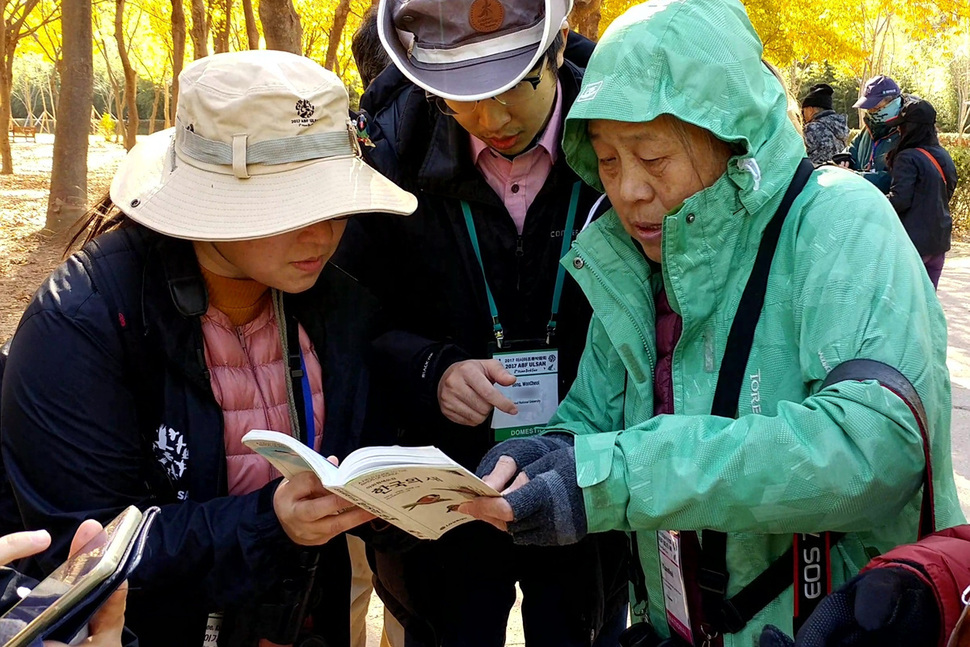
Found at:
[27, 254]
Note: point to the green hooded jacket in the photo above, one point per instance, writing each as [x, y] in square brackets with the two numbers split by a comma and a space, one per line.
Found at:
[845, 283]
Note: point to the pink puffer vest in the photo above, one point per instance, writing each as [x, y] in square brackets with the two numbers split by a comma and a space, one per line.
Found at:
[248, 377]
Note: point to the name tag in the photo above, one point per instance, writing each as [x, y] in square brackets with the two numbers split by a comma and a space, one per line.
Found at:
[535, 392]
[672, 576]
[212, 627]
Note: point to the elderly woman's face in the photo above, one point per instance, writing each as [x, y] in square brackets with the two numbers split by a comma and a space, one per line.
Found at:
[650, 168]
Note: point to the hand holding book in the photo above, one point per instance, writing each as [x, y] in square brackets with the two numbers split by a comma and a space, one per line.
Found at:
[418, 489]
[310, 514]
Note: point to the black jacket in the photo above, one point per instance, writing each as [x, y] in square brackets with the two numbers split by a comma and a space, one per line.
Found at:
[423, 268]
[921, 197]
[90, 380]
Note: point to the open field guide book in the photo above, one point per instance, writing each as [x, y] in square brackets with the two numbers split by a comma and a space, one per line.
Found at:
[418, 489]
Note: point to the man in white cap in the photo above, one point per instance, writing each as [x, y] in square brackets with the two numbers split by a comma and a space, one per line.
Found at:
[486, 330]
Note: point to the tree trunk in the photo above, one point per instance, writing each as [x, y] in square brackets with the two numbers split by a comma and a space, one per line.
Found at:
[221, 40]
[68, 196]
[178, 56]
[585, 18]
[960, 67]
[116, 90]
[131, 78]
[252, 31]
[10, 34]
[336, 31]
[52, 87]
[6, 76]
[200, 30]
[158, 97]
[167, 111]
[28, 93]
[281, 25]
[43, 104]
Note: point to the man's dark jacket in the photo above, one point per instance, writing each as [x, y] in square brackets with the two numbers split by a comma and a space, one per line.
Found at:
[424, 271]
[423, 268]
[920, 194]
[89, 382]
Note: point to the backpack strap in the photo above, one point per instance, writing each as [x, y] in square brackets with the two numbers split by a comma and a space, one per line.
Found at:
[859, 370]
[932, 159]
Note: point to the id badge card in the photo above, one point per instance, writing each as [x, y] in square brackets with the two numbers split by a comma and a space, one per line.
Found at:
[535, 392]
[672, 576]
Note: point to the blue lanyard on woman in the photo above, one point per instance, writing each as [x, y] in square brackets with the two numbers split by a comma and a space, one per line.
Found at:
[567, 236]
[299, 377]
[307, 401]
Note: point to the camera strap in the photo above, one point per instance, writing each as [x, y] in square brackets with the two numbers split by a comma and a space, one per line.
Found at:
[807, 564]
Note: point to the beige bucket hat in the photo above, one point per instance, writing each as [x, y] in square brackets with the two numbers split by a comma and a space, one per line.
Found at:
[263, 144]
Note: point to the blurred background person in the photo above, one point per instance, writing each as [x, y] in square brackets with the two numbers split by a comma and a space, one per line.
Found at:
[825, 131]
[923, 181]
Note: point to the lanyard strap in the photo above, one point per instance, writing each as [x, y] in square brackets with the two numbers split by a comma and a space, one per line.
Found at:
[300, 379]
[567, 236]
[307, 403]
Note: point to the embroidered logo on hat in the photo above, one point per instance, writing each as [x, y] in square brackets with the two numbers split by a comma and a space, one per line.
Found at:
[304, 108]
[486, 16]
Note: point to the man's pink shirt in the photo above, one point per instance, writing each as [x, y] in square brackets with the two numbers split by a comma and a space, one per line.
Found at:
[518, 181]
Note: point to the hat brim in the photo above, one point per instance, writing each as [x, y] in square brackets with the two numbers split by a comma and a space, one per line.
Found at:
[473, 80]
[867, 103]
[196, 204]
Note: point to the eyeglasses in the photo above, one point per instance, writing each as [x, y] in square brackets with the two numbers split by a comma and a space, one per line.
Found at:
[523, 91]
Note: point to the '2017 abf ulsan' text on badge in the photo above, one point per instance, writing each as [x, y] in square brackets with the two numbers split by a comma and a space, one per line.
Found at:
[535, 392]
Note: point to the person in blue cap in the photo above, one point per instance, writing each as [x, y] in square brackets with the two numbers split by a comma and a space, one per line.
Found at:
[881, 99]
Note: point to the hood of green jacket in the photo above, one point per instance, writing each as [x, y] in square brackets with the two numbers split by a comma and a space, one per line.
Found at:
[700, 62]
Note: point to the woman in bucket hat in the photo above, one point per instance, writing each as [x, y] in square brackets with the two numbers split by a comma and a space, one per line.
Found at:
[203, 306]
[764, 360]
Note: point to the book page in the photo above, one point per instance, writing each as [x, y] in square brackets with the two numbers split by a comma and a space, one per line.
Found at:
[428, 496]
[367, 459]
[290, 456]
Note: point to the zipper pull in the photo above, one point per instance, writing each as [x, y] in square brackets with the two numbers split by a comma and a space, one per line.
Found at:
[708, 640]
[518, 247]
